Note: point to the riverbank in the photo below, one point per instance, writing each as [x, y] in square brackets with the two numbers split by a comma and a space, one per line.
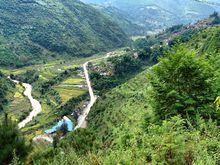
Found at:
[36, 106]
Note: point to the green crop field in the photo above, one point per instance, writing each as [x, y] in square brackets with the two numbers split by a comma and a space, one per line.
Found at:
[73, 81]
[69, 88]
[67, 93]
[20, 106]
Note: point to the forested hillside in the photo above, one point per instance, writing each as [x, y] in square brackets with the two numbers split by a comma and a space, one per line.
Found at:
[6, 90]
[122, 19]
[32, 30]
[126, 82]
[167, 114]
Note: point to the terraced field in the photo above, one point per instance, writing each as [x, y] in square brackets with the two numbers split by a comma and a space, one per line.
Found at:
[52, 68]
[54, 105]
[70, 88]
[19, 106]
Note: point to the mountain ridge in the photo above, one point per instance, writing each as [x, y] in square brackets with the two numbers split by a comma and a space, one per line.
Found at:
[41, 29]
[150, 13]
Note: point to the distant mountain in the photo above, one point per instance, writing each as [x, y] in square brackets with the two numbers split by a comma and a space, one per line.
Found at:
[40, 29]
[157, 14]
[211, 2]
[124, 21]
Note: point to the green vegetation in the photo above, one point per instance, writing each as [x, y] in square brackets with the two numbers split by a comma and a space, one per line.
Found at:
[216, 18]
[124, 21]
[48, 70]
[207, 42]
[183, 84]
[12, 143]
[120, 68]
[73, 81]
[155, 15]
[19, 106]
[66, 93]
[184, 37]
[164, 115]
[35, 31]
[12, 101]
[6, 90]
[30, 76]
[59, 96]
[47, 85]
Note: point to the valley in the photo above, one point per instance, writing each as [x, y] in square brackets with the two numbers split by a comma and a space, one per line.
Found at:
[40, 115]
[35, 31]
[100, 82]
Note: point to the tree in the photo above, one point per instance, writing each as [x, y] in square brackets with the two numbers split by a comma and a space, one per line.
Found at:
[216, 18]
[11, 141]
[64, 128]
[145, 54]
[175, 141]
[81, 140]
[6, 86]
[124, 65]
[182, 84]
[56, 140]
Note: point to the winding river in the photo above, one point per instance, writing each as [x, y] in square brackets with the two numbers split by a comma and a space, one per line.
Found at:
[36, 106]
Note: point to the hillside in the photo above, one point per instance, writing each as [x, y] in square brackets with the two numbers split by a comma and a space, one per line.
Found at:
[149, 14]
[32, 30]
[124, 21]
[165, 114]
[207, 41]
[6, 91]
[124, 117]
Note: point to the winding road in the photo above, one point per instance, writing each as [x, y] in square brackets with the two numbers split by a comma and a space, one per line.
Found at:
[82, 118]
[81, 121]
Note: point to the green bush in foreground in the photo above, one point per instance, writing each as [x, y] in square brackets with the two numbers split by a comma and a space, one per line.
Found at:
[11, 142]
[175, 142]
[183, 84]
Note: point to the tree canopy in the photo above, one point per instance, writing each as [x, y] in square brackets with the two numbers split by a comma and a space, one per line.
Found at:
[183, 84]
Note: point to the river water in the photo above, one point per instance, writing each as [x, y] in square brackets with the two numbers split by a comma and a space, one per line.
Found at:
[36, 106]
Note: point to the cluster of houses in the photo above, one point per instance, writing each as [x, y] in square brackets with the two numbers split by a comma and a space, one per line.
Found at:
[103, 70]
[198, 25]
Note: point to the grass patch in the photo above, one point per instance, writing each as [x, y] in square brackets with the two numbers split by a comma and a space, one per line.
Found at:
[19, 107]
[74, 81]
[66, 93]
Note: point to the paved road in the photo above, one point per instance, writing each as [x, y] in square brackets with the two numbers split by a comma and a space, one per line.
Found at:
[81, 121]
[37, 106]
[82, 118]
